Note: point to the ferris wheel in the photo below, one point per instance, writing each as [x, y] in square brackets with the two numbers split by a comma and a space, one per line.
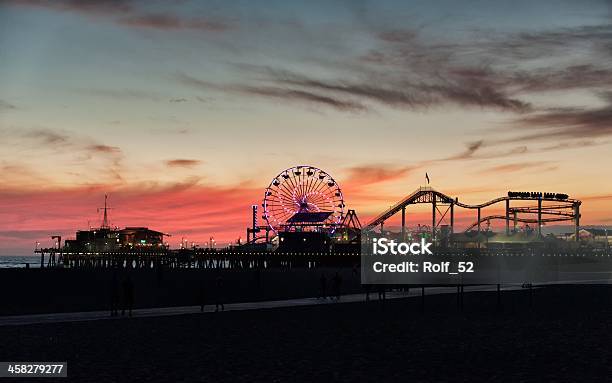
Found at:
[303, 189]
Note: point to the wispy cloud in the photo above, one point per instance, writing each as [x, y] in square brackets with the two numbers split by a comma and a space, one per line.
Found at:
[302, 96]
[65, 144]
[274, 92]
[43, 136]
[515, 167]
[407, 71]
[163, 21]
[402, 91]
[182, 163]
[106, 149]
[129, 13]
[472, 148]
[547, 43]
[6, 106]
[571, 145]
[121, 94]
[81, 6]
[567, 123]
[602, 197]
[373, 174]
[474, 151]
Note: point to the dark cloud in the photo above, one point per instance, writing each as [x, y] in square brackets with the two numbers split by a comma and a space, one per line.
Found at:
[164, 21]
[104, 149]
[81, 6]
[183, 163]
[582, 76]
[405, 70]
[472, 147]
[275, 92]
[128, 13]
[546, 43]
[567, 123]
[45, 136]
[302, 96]
[474, 151]
[570, 145]
[192, 81]
[403, 93]
[478, 93]
[369, 91]
[499, 70]
[82, 148]
[6, 106]
[408, 71]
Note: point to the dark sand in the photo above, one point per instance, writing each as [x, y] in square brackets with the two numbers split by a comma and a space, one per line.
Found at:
[565, 336]
[36, 291]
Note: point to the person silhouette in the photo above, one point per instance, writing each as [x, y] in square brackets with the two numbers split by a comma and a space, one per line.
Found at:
[323, 286]
[219, 295]
[128, 295]
[382, 292]
[337, 285]
[202, 296]
[114, 298]
[368, 288]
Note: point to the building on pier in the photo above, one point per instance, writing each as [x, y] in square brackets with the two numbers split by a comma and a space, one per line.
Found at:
[108, 239]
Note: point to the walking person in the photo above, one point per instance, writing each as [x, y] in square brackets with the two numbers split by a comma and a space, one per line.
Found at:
[128, 295]
[382, 292]
[323, 286]
[114, 298]
[219, 294]
[202, 295]
[368, 288]
[337, 285]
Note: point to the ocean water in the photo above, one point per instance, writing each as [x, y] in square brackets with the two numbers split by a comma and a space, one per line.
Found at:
[10, 262]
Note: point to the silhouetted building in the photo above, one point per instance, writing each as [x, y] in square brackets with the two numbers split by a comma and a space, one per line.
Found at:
[108, 239]
[304, 242]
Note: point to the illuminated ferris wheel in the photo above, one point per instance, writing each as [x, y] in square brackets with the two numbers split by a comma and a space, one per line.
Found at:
[303, 191]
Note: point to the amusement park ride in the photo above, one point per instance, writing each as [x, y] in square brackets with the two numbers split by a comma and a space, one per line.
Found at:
[549, 207]
[303, 204]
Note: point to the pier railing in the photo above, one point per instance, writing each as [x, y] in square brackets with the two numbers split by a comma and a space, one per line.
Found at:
[198, 258]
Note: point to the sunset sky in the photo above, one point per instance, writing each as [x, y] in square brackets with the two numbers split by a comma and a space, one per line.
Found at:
[184, 111]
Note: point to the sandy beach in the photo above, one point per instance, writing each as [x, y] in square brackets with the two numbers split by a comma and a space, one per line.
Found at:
[564, 336]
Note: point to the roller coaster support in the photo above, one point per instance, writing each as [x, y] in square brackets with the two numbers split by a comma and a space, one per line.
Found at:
[577, 215]
[540, 217]
[452, 217]
[479, 228]
[404, 223]
[433, 220]
[507, 217]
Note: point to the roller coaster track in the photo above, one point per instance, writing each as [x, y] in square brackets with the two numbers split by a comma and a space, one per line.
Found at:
[523, 220]
[429, 195]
